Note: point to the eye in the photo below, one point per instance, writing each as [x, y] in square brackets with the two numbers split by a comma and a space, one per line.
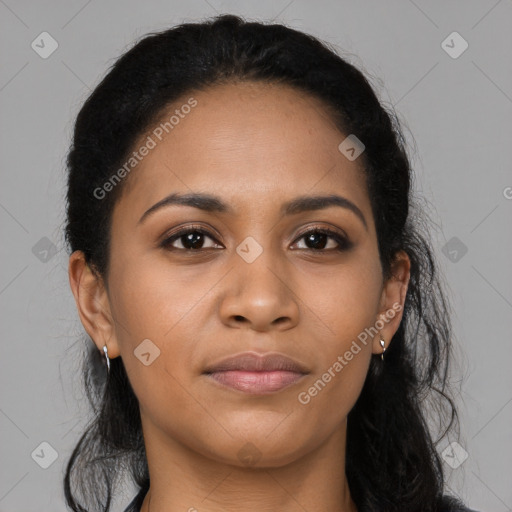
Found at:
[318, 240]
[191, 238]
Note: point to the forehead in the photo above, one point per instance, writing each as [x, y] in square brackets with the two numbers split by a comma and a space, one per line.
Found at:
[251, 143]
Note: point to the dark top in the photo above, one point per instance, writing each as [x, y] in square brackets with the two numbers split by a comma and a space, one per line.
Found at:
[449, 504]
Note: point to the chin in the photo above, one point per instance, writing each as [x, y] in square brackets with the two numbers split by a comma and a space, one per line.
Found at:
[260, 450]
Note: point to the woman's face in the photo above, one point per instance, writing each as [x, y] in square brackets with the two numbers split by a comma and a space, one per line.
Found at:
[253, 282]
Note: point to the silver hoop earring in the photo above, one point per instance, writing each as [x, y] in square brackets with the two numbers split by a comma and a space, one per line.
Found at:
[383, 345]
[107, 359]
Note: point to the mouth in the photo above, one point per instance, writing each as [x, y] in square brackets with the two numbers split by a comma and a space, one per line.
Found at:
[253, 373]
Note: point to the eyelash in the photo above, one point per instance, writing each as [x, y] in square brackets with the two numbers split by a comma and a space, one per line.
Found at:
[343, 243]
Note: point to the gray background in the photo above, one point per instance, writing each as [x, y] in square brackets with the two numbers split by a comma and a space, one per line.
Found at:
[458, 113]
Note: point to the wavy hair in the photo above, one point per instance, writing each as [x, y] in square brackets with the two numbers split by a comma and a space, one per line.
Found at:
[392, 462]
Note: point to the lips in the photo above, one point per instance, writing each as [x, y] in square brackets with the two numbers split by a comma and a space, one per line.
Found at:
[253, 362]
[256, 374]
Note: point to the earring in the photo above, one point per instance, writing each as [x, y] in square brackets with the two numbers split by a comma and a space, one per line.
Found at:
[383, 345]
[107, 359]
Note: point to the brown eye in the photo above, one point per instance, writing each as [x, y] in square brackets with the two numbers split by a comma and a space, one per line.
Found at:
[191, 239]
[318, 240]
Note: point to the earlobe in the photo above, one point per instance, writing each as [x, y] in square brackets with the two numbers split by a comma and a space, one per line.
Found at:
[392, 302]
[92, 303]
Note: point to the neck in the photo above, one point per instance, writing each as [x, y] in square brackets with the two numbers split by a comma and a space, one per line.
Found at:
[184, 480]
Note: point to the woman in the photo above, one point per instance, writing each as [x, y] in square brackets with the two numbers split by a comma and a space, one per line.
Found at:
[245, 259]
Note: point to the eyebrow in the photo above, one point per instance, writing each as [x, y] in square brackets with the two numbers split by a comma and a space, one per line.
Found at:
[211, 203]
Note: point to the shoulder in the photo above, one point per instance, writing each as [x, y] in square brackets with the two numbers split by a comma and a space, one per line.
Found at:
[451, 504]
[136, 504]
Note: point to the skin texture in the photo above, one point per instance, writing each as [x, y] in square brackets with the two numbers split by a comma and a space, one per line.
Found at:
[255, 146]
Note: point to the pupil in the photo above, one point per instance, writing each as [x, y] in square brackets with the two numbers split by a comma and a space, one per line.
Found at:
[193, 240]
[320, 242]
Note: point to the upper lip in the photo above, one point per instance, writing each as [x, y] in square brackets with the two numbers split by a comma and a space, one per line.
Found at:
[252, 361]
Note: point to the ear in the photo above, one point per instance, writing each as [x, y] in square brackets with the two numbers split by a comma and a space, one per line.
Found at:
[392, 301]
[92, 303]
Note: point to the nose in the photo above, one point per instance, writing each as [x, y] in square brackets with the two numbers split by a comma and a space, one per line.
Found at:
[259, 295]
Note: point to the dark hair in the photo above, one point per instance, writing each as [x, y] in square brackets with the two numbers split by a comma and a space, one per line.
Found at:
[392, 462]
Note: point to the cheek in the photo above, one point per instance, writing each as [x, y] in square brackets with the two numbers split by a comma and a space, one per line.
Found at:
[153, 307]
[345, 300]
[329, 395]
[345, 306]
[156, 306]
[153, 300]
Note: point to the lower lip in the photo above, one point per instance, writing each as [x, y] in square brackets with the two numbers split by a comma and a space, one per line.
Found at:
[256, 382]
